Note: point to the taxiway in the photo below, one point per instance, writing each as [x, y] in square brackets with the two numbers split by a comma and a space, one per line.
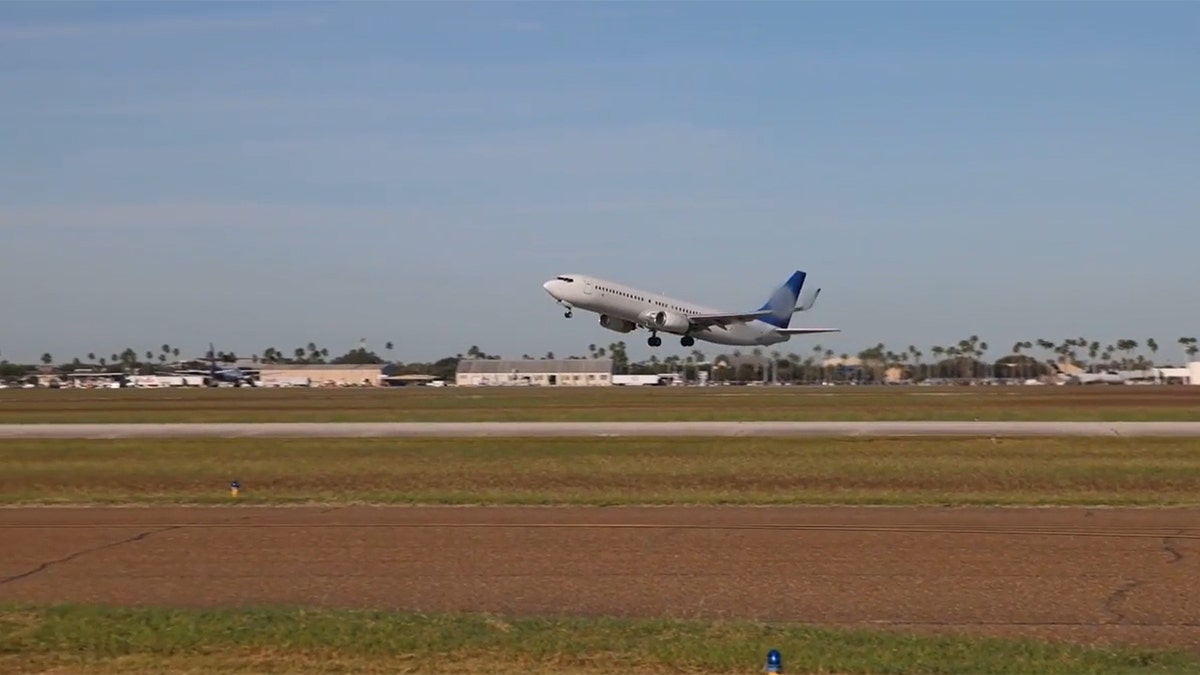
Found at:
[601, 429]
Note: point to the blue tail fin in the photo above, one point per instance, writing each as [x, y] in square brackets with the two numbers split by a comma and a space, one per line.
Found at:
[783, 301]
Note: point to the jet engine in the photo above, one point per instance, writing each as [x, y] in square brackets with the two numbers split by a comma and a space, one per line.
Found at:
[668, 321]
[619, 325]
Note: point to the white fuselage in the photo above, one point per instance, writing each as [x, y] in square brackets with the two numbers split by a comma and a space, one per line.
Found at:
[629, 308]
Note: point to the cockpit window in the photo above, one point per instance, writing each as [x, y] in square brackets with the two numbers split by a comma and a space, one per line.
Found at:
[569, 280]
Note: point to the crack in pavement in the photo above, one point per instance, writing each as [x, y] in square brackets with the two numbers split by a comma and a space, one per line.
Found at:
[65, 559]
[1170, 546]
[1114, 601]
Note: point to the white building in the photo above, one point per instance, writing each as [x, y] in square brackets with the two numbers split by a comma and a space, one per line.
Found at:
[320, 374]
[548, 372]
[1189, 374]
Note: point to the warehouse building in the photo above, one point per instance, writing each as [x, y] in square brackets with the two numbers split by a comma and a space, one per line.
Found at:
[320, 374]
[546, 372]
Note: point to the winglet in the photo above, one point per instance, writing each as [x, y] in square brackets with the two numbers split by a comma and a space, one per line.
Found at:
[808, 304]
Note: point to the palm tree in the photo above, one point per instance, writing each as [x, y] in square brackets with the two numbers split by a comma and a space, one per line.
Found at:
[980, 352]
[1127, 346]
[1093, 351]
[776, 357]
[1189, 347]
[916, 357]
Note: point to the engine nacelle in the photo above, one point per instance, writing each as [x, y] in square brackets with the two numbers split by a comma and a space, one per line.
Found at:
[666, 320]
[619, 325]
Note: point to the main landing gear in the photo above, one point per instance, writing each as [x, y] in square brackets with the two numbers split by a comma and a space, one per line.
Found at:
[686, 340]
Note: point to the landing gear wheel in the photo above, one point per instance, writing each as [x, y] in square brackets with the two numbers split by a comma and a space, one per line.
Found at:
[687, 341]
[567, 314]
[655, 341]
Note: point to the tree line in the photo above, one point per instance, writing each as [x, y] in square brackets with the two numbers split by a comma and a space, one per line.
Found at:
[966, 358]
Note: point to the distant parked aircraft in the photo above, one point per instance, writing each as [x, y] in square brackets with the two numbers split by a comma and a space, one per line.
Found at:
[623, 308]
[234, 375]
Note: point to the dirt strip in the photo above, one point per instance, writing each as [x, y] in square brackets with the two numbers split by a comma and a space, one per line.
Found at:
[1093, 576]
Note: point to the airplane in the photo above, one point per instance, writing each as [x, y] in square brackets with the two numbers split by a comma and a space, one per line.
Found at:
[235, 376]
[623, 309]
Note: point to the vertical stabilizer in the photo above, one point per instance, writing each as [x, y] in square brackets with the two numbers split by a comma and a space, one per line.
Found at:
[782, 302]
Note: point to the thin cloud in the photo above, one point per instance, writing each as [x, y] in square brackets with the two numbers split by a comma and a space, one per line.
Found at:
[177, 215]
[52, 31]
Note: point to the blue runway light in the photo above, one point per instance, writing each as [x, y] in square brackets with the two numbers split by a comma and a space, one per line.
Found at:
[774, 661]
[234, 487]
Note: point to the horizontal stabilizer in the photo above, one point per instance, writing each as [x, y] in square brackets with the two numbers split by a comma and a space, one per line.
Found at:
[806, 331]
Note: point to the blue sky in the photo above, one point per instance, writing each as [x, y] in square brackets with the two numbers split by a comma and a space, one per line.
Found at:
[269, 174]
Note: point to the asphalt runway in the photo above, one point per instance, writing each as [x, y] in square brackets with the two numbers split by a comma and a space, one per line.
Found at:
[579, 429]
[1092, 576]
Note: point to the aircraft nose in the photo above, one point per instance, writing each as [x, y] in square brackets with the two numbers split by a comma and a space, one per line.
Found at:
[549, 286]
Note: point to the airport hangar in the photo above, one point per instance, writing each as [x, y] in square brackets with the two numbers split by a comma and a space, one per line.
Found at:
[332, 375]
[553, 372]
[470, 372]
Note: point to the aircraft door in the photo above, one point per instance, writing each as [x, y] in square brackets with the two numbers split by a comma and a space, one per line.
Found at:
[587, 288]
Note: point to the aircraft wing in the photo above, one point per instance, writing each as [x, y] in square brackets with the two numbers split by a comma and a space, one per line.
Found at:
[806, 331]
[723, 320]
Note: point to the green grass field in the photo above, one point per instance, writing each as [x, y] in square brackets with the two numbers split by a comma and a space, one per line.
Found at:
[453, 404]
[1070, 471]
[91, 640]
